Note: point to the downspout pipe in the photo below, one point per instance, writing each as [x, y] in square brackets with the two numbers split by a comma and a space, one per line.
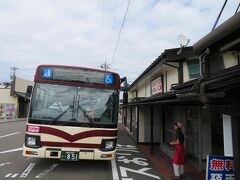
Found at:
[202, 94]
[202, 60]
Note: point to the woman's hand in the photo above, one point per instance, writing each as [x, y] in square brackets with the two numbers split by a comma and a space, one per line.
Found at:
[172, 143]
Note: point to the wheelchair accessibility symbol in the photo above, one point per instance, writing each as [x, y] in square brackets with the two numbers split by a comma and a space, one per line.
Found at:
[108, 79]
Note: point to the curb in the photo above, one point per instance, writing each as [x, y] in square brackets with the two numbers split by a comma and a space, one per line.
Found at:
[14, 120]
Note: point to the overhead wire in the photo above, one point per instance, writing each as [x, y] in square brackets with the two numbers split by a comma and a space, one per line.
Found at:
[114, 13]
[219, 15]
[237, 8]
[147, 17]
[102, 23]
[120, 32]
[102, 30]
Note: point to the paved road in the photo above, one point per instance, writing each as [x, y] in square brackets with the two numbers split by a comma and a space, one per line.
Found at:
[130, 164]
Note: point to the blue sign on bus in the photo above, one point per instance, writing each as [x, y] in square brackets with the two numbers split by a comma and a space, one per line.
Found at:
[220, 168]
[108, 79]
[47, 72]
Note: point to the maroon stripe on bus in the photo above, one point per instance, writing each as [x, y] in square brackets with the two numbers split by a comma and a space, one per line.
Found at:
[63, 144]
[78, 136]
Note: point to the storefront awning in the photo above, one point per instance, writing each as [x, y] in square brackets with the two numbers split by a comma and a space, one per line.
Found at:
[168, 99]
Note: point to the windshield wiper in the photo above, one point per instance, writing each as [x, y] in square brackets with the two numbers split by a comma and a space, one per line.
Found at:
[60, 115]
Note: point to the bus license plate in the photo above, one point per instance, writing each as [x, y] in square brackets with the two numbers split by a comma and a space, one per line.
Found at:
[69, 155]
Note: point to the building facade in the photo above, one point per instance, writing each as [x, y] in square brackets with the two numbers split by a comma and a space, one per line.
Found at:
[166, 92]
[199, 87]
[219, 53]
[13, 99]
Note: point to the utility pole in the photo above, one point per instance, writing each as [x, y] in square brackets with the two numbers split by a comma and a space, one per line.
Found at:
[13, 72]
[105, 66]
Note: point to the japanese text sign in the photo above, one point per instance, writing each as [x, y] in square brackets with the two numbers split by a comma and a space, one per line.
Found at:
[156, 86]
[220, 168]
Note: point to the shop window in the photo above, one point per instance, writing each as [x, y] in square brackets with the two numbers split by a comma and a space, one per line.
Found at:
[193, 68]
[192, 134]
[169, 133]
[231, 58]
[219, 62]
[190, 117]
[215, 64]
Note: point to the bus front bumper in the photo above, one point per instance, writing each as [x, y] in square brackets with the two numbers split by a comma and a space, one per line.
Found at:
[64, 153]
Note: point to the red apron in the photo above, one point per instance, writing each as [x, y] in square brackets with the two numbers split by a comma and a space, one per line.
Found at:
[179, 155]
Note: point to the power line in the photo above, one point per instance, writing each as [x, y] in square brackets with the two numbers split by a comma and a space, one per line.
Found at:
[147, 16]
[237, 8]
[102, 24]
[119, 35]
[219, 15]
[115, 12]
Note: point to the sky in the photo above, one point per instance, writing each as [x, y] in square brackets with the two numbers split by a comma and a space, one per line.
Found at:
[85, 32]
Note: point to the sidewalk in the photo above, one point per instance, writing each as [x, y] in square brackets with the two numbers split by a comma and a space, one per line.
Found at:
[163, 164]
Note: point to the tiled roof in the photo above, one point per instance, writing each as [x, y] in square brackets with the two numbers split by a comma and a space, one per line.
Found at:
[169, 55]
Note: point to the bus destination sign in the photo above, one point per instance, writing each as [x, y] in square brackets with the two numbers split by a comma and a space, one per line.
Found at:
[76, 75]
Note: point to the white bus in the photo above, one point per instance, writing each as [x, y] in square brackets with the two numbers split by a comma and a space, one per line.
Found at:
[73, 114]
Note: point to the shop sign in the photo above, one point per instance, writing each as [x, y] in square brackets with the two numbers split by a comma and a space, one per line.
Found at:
[156, 86]
[7, 111]
[220, 168]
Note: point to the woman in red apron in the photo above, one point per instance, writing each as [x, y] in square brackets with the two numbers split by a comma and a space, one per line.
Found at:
[179, 154]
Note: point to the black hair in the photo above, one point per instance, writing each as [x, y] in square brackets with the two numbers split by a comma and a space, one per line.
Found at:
[176, 124]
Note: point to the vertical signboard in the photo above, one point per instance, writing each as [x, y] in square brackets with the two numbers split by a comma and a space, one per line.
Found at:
[220, 168]
[156, 86]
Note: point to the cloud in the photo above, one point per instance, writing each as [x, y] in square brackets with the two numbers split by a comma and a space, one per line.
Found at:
[84, 33]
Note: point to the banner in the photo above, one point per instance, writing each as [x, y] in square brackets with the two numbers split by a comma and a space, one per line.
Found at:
[220, 168]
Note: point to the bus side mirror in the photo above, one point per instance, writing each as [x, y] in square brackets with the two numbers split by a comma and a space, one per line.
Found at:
[123, 79]
[29, 91]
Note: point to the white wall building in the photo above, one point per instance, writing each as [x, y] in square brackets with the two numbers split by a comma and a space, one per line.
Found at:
[13, 102]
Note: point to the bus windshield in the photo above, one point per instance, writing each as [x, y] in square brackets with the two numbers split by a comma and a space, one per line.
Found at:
[73, 105]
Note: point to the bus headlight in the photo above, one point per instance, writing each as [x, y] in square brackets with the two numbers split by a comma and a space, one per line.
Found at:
[108, 144]
[32, 141]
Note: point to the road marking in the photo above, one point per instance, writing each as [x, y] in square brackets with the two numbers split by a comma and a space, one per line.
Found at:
[9, 135]
[3, 164]
[142, 171]
[45, 172]
[125, 154]
[127, 178]
[15, 175]
[11, 150]
[114, 170]
[8, 175]
[28, 170]
[127, 150]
